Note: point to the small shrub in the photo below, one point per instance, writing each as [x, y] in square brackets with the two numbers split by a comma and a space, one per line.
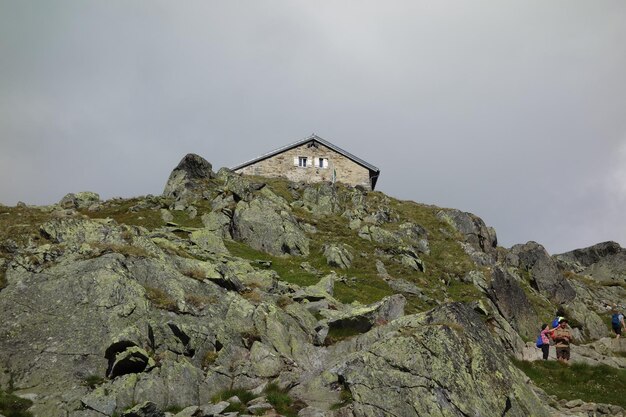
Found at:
[284, 301]
[161, 299]
[198, 301]
[209, 359]
[253, 296]
[282, 402]
[195, 273]
[249, 337]
[345, 398]
[172, 249]
[14, 406]
[174, 409]
[93, 381]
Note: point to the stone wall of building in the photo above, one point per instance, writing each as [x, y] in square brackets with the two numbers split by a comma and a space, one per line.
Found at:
[284, 165]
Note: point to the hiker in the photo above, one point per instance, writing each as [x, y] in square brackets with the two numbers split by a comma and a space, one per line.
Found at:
[562, 337]
[617, 322]
[543, 341]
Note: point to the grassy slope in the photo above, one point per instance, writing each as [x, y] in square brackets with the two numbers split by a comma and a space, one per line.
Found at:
[599, 384]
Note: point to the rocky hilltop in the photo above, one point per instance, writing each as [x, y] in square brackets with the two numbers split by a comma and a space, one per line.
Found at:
[231, 295]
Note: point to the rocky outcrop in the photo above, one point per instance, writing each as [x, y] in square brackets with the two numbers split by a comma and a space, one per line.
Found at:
[476, 232]
[81, 200]
[544, 275]
[512, 303]
[339, 256]
[604, 262]
[443, 363]
[101, 318]
[267, 227]
[187, 177]
[321, 199]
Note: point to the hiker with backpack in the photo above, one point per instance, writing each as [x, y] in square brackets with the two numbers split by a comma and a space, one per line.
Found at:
[562, 337]
[617, 323]
[543, 341]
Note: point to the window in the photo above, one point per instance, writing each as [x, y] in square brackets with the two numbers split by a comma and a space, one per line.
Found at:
[322, 162]
[302, 161]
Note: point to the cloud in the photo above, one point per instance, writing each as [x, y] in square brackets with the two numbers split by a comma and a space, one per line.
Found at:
[513, 111]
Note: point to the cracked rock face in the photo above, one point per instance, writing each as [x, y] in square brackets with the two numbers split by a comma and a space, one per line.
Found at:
[441, 363]
[544, 274]
[185, 176]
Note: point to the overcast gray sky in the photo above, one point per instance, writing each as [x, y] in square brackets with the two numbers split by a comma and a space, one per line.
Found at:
[513, 110]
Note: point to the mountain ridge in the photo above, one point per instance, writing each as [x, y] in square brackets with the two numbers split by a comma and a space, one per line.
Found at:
[237, 282]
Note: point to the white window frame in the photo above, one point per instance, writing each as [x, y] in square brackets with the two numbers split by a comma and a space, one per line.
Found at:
[303, 161]
[322, 163]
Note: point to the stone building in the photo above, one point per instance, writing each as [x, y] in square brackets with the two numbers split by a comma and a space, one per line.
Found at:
[312, 160]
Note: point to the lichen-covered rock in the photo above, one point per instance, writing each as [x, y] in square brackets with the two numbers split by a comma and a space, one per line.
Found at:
[476, 233]
[512, 303]
[604, 262]
[186, 178]
[587, 321]
[442, 363]
[76, 231]
[80, 200]
[544, 274]
[363, 318]
[240, 187]
[338, 255]
[265, 226]
[147, 409]
[321, 199]
[208, 241]
[217, 223]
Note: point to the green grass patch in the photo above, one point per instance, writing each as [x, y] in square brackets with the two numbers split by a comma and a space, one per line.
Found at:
[446, 259]
[337, 334]
[279, 186]
[244, 396]
[599, 384]
[21, 225]
[14, 406]
[119, 210]
[281, 401]
[288, 268]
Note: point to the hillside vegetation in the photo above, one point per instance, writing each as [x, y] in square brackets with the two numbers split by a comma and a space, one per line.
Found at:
[300, 298]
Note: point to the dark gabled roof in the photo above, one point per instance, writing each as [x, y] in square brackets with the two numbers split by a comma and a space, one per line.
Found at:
[313, 138]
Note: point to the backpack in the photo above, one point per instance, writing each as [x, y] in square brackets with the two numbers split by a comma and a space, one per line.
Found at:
[615, 320]
[555, 322]
[539, 342]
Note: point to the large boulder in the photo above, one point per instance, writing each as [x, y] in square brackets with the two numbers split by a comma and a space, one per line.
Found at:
[265, 226]
[544, 274]
[441, 363]
[338, 255]
[473, 228]
[321, 199]
[187, 176]
[361, 319]
[80, 200]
